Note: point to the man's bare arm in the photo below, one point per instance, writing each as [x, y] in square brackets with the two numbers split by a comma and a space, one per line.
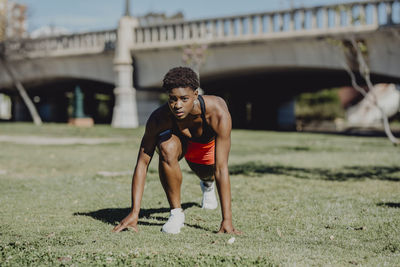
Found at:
[222, 125]
[145, 154]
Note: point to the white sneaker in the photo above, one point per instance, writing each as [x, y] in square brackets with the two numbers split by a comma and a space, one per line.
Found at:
[175, 222]
[209, 200]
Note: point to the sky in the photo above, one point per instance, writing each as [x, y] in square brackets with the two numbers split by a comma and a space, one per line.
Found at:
[92, 15]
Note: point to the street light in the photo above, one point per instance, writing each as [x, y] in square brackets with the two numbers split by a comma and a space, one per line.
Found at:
[127, 8]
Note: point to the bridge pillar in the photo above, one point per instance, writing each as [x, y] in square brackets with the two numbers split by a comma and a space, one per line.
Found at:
[125, 113]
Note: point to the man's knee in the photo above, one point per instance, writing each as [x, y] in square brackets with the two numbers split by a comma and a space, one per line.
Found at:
[170, 150]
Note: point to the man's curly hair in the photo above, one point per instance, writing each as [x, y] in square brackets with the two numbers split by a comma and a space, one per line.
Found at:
[180, 77]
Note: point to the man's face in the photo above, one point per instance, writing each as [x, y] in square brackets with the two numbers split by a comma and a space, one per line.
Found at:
[181, 101]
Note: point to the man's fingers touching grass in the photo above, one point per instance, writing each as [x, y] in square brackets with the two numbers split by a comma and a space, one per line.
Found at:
[117, 229]
[121, 227]
[234, 231]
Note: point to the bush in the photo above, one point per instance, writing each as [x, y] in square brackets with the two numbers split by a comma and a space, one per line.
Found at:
[321, 105]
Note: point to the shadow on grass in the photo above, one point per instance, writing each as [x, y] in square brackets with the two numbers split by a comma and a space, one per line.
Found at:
[114, 216]
[296, 148]
[343, 174]
[389, 205]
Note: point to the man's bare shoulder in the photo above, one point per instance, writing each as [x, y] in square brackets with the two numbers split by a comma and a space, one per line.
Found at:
[218, 115]
[215, 105]
[160, 119]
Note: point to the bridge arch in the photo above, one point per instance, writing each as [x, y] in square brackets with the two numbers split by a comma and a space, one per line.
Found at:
[300, 41]
[53, 99]
[44, 69]
[256, 97]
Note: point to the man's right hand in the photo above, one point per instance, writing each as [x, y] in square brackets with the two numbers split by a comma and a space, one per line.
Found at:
[130, 221]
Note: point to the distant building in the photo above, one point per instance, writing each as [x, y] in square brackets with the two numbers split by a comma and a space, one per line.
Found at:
[157, 18]
[47, 31]
[13, 24]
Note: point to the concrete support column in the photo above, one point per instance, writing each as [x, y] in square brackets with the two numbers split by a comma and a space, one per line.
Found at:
[125, 109]
[125, 113]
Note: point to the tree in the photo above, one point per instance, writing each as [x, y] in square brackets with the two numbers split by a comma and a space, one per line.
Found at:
[194, 56]
[17, 83]
[356, 50]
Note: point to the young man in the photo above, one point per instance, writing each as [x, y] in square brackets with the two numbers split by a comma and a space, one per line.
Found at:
[191, 126]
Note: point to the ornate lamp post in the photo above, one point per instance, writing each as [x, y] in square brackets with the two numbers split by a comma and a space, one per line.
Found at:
[127, 8]
[125, 113]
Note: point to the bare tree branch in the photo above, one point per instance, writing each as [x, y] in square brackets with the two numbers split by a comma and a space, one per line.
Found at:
[365, 73]
[194, 56]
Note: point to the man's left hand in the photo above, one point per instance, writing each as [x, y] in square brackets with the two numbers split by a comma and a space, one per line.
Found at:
[227, 227]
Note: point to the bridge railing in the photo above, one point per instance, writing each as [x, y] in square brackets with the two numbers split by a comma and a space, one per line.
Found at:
[91, 42]
[355, 16]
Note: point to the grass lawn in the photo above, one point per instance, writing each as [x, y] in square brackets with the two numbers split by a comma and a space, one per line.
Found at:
[300, 199]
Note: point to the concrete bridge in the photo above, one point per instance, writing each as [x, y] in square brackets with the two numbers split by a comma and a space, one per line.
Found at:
[263, 58]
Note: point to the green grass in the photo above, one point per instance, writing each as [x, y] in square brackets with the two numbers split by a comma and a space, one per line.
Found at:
[300, 199]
